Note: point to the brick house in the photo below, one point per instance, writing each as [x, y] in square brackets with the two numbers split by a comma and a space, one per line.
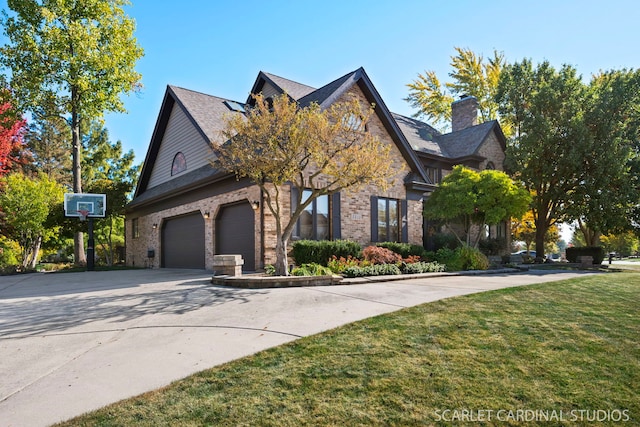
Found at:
[185, 211]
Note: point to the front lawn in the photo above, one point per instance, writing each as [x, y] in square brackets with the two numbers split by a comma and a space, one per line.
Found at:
[568, 350]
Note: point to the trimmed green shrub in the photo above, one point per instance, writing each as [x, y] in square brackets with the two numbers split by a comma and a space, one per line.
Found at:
[462, 258]
[449, 258]
[372, 270]
[597, 252]
[421, 267]
[321, 251]
[311, 269]
[405, 250]
[472, 259]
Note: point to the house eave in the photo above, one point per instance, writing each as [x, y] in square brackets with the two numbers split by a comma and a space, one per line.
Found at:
[195, 185]
[420, 186]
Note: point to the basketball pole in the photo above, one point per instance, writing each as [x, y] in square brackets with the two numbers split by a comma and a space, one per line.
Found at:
[90, 248]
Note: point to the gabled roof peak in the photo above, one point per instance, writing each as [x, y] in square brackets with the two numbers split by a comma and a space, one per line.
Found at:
[294, 89]
[467, 141]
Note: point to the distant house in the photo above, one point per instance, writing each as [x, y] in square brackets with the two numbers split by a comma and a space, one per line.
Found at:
[185, 211]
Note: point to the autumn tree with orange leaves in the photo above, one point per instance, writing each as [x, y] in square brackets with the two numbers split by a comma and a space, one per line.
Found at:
[318, 151]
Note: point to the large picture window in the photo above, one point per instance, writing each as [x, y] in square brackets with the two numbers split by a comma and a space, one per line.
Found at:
[388, 220]
[314, 221]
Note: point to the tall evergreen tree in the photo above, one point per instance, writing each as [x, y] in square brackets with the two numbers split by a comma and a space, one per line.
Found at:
[49, 140]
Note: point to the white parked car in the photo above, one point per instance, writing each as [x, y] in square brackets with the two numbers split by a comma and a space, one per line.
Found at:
[521, 253]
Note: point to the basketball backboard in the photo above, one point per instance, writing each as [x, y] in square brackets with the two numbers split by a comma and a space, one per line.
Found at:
[94, 205]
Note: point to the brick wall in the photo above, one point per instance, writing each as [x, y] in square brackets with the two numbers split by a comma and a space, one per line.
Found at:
[464, 113]
[150, 238]
[493, 152]
[355, 207]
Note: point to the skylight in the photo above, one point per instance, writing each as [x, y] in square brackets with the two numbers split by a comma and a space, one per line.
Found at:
[234, 106]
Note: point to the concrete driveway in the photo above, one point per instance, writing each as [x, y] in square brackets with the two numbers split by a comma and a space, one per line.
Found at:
[71, 343]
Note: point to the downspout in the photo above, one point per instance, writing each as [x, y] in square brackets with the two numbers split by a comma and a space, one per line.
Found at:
[262, 238]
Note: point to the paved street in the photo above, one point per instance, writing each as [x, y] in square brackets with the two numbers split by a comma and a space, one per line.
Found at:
[70, 343]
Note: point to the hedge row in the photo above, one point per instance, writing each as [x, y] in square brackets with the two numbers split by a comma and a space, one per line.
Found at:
[372, 270]
[321, 251]
[390, 269]
[422, 267]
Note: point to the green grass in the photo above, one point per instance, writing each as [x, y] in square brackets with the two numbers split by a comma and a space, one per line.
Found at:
[561, 346]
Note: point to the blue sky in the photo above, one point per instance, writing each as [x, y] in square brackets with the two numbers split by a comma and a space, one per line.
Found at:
[218, 47]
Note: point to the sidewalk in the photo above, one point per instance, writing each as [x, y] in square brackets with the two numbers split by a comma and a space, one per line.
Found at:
[71, 343]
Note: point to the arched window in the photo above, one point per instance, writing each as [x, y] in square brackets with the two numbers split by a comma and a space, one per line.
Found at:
[354, 122]
[490, 166]
[179, 164]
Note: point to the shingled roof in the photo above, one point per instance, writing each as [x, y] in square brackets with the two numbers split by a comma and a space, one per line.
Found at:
[466, 142]
[420, 135]
[205, 111]
[329, 93]
[294, 89]
[412, 136]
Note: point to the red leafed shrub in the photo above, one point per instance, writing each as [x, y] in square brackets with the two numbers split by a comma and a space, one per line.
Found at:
[378, 255]
[412, 259]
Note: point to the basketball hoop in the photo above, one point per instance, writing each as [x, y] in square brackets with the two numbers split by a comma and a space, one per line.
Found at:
[83, 214]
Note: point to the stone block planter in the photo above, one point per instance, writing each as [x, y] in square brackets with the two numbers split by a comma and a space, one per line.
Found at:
[228, 265]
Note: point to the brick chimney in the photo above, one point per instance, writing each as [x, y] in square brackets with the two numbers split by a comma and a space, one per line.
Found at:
[464, 113]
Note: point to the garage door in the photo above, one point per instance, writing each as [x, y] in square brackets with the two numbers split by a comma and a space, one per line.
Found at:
[183, 242]
[235, 233]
